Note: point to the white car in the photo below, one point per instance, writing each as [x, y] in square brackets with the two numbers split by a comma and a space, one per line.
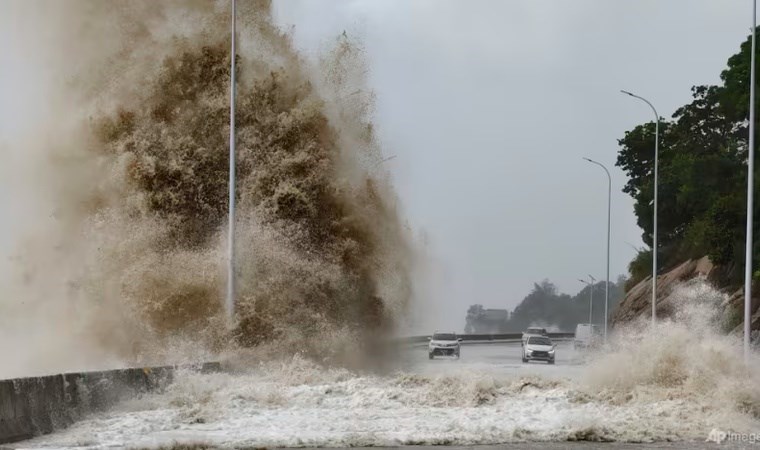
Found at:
[538, 348]
[443, 344]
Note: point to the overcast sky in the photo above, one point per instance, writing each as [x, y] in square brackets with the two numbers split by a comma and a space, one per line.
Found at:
[489, 107]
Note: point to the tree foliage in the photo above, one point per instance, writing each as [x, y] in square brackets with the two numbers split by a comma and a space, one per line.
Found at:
[702, 174]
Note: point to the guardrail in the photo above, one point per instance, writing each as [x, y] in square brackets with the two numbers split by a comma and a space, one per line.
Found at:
[40, 405]
[480, 338]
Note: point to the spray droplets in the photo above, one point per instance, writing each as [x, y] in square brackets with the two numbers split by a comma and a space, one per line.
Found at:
[321, 252]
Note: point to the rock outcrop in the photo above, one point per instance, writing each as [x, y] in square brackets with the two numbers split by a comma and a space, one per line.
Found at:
[734, 306]
[638, 301]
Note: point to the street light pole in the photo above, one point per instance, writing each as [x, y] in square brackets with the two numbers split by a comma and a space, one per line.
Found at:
[591, 298]
[654, 243]
[750, 192]
[609, 216]
[591, 308]
[230, 303]
[591, 304]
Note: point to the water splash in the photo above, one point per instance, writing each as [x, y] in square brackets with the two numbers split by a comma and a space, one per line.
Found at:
[675, 383]
[131, 267]
[686, 364]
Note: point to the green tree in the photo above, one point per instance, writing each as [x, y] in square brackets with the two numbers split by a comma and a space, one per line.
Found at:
[545, 305]
[702, 188]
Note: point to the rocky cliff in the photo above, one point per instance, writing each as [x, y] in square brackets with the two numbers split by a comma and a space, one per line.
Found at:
[638, 300]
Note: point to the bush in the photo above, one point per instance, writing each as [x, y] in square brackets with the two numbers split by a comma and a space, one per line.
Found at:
[640, 268]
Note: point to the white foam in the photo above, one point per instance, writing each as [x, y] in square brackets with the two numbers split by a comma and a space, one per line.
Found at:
[677, 382]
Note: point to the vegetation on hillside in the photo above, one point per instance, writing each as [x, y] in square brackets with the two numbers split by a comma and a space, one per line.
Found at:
[703, 176]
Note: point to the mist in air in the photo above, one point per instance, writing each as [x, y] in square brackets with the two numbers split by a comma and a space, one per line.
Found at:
[130, 165]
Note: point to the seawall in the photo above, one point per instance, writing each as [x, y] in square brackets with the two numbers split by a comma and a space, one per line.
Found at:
[38, 405]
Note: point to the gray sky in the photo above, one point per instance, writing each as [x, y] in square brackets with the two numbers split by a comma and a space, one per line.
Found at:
[20, 100]
[490, 106]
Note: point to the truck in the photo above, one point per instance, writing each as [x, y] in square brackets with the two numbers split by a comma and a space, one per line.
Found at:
[586, 336]
[486, 320]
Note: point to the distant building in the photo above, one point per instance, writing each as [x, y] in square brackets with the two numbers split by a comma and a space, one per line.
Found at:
[486, 321]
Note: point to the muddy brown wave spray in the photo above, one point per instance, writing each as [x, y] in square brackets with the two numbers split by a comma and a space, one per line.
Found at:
[135, 263]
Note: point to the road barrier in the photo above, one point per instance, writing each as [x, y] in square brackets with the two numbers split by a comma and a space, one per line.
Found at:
[39, 405]
[480, 338]
[33, 406]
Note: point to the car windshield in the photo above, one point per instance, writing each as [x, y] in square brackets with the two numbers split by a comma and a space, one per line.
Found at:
[539, 341]
[535, 330]
[444, 337]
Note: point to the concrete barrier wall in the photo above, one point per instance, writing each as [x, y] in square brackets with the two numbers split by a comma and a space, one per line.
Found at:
[480, 338]
[40, 405]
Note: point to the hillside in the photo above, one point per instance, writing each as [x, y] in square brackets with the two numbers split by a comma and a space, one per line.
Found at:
[637, 303]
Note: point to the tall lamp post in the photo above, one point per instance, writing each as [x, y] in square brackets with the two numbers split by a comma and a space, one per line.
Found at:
[230, 301]
[750, 191]
[654, 240]
[590, 284]
[609, 215]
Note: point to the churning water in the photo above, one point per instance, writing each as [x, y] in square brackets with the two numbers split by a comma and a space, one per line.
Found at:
[127, 262]
[678, 382]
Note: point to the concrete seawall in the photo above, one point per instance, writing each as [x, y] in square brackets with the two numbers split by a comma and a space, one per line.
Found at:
[33, 406]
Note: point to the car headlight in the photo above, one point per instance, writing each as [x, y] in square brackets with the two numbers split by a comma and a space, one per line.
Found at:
[551, 352]
[528, 352]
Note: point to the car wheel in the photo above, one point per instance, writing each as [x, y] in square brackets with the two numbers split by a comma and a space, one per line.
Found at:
[457, 355]
[430, 356]
[551, 361]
